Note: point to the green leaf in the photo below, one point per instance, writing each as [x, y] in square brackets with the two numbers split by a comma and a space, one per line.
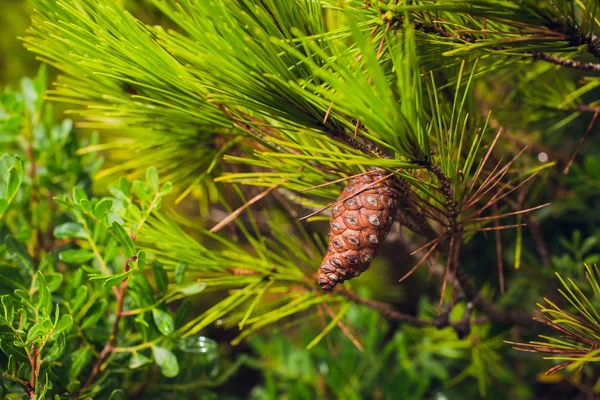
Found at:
[3, 206]
[164, 321]
[19, 253]
[180, 272]
[73, 386]
[53, 281]
[182, 313]
[141, 291]
[70, 230]
[7, 345]
[160, 277]
[15, 177]
[44, 304]
[76, 256]
[39, 329]
[63, 325]
[142, 191]
[141, 259]
[79, 359]
[56, 351]
[111, 280]
[137, 360]
[45, 300]
[167, 361]
[123, 239]
[80, 198]
[117, 394]
[152, 178]
[166, 189]
[192, 289]
[102, 208]
[94, 314]
[79, 299]
[8, 306]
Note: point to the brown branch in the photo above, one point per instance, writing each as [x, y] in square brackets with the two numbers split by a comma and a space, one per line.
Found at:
[471, 293]
[389, 313]
[566, 62]
[108, 346]
[263, 132]
[33, 363]
[574, 37]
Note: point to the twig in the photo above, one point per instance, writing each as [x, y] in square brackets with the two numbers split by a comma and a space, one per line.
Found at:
[108, 347]
[471, 293]
[240, 210]
[580, 144]
[389, 313]
[565, 62]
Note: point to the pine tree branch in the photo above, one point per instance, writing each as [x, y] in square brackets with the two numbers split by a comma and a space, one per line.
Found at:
[462, 327]
[565, 62]
[471, 293]
[577, 38]
[574, 37]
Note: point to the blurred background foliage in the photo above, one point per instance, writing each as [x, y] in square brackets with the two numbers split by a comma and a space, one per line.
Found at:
[395, 362]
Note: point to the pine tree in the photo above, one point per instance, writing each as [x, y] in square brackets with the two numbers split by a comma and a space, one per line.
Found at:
[311, 138]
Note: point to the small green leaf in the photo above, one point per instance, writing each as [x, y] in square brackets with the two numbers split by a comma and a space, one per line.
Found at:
[3, 206]
[167, 361]
[102, 208]
[164, 321]
[137, 360]
[79, 359]
[35, 332]
[182, 313]
[53, 281]
[94, 314]
[45, 301]
[15, 177]
[111, 280]
[123, 239]
[73, 386]
[63, 325]
[160, 277]
[125, 186]
[141, 259]
[76, 256]
[80, 198]
[70, 230]
[19, 253]
[79, 299]
[117, 394]
[55, 352]
[152, 178]
[166, 189]
[192, 289]
[180, 272]
[7, 345]
[141, 291]
[8, 305]
[142, 191]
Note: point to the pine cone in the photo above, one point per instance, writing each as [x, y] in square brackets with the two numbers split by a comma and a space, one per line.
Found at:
[359, 225]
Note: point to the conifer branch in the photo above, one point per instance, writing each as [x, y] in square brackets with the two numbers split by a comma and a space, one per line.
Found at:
[565, 62]
[471, 293]
[386, 310]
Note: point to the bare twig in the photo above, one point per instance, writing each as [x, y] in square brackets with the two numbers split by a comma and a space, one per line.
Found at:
[108, 346]
[565, 62]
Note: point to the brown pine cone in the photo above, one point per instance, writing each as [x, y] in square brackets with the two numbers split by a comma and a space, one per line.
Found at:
[359, 225]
